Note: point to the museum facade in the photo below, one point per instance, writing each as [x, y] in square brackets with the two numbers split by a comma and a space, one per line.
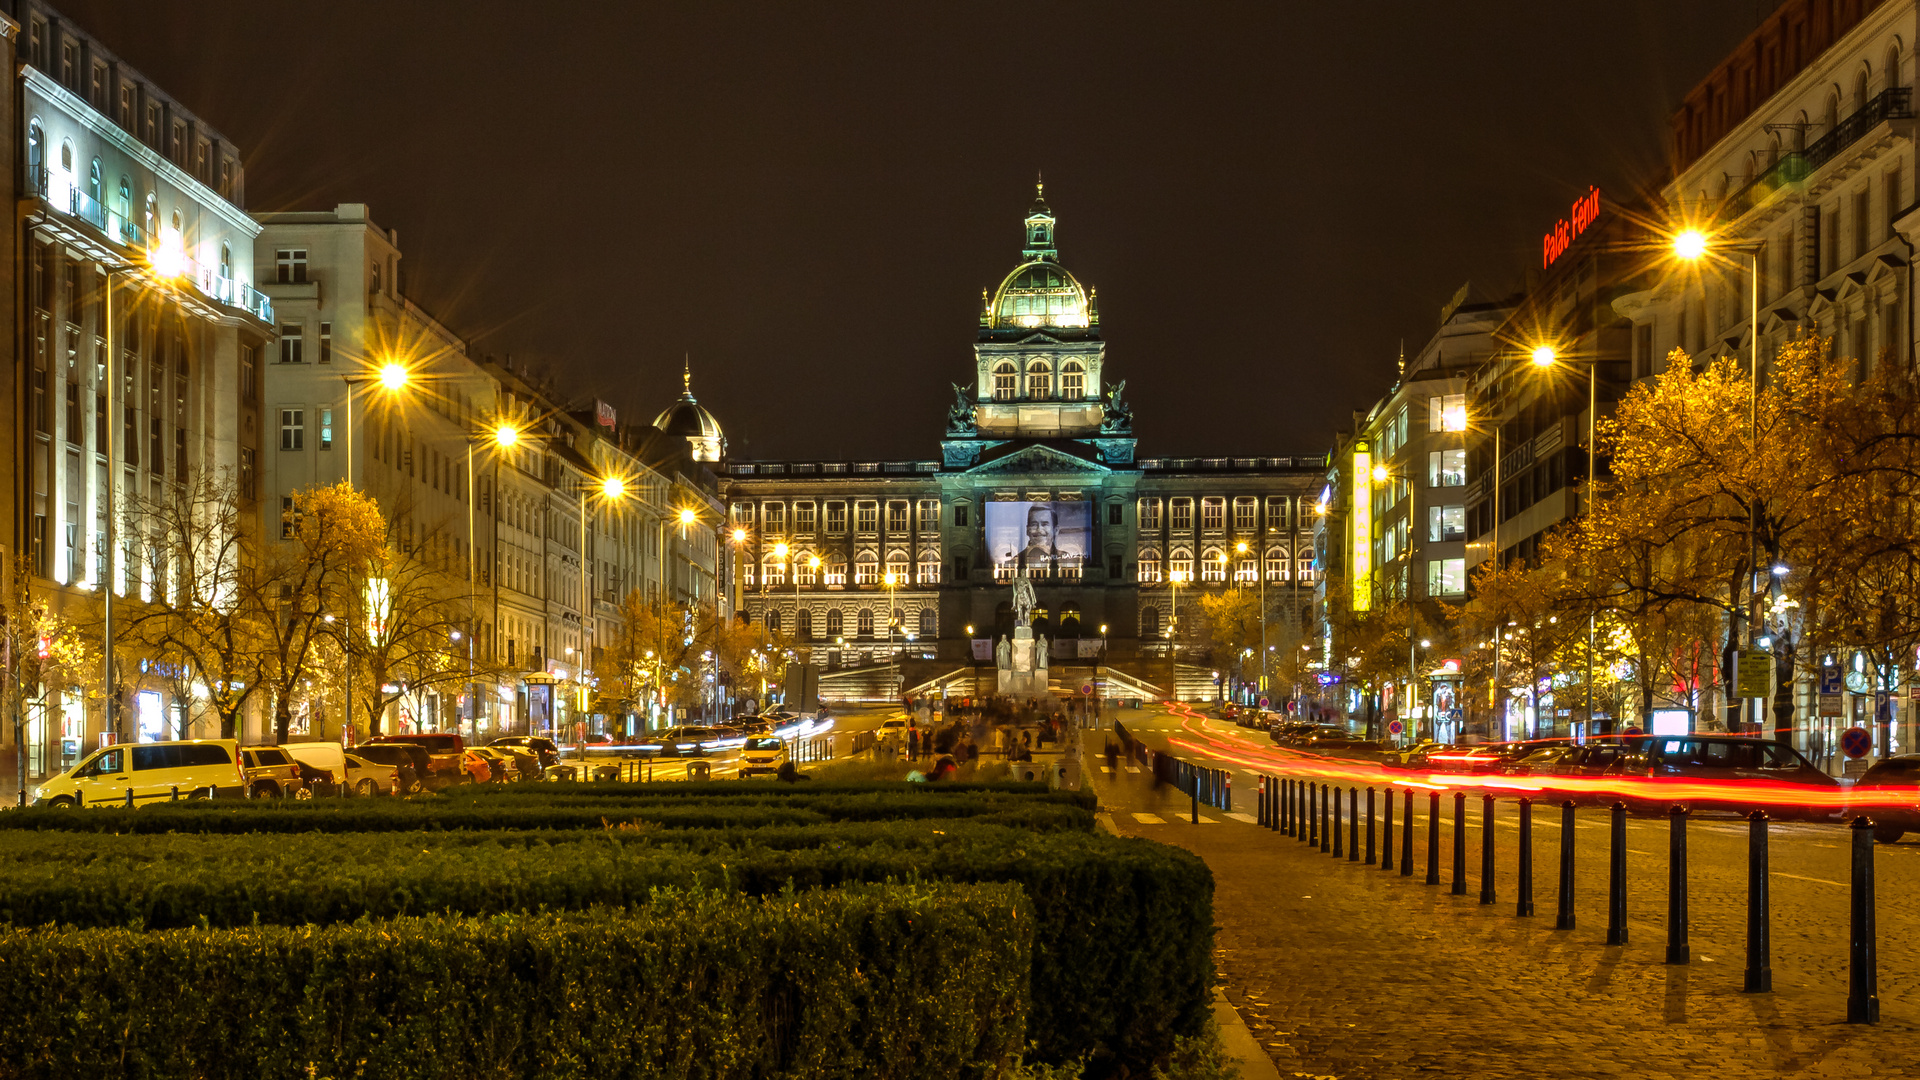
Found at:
[866, 562]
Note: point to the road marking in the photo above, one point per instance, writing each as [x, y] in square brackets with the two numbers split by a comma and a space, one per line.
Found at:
[1149, 819]
[1206, 821]
[1248, 818]
[1815, 880]
[1133, 768]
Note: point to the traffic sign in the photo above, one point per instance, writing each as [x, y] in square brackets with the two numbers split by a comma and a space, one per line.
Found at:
[1395, 727]
[1755, 674]
[1264, 701]
[1087, 689]
[1855, 742]
[1830, 679]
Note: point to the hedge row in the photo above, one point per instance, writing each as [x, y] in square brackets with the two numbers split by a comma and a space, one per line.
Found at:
[918, 980]
[1123, 936]
[459, 812]
[760, 789]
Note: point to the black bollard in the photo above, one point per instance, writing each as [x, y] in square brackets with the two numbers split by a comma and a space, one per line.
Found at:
[1313, 815]
[1386, 832]
[1370, 855]
[1406, 836]
[129, 798]
[1327, 794]
[1617, 878]
[1459, 843]
[1523, 904]
[1196, 800]
[1564, 920]
[1286, 806]
[1338, 833]
[1433, 838]
[1486, 850]
[1677, 951]
[1863, 978]
[1353, 824]
[176, 794]
[1260, 814]
[1273, 804]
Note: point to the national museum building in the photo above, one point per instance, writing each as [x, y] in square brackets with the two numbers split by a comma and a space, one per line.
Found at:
[1037, 466]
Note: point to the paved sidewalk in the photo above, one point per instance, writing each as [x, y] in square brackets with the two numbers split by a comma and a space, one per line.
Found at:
[1344, 971]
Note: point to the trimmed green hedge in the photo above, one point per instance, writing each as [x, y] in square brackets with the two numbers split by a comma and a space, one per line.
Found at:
[560, 811]
[1123, 938]
[871, 981]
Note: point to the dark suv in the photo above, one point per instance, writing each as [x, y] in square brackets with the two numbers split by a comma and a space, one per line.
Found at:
[1734, 761]
[445, 754]
[272, 773]
[1896, 777]
[542, 747]
[412, 762]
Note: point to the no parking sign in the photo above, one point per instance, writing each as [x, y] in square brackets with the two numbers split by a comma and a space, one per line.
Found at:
[1856, 742]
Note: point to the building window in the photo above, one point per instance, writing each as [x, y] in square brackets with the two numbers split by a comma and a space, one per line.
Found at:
[836, 622]
[864, 623]
[1039, 381]
[1114, 514]
[292, 347]
[773, 621]
[1304, 564]
[1073, 381]
[293, 429]
[249, 362]
[776, 572]
[836, 571]
[1276, 564]
[1182, 514]
[866, 517]
[1446, 577]
[960, 568]
[1149, 567]
[805, 517]
[743, 515]
[1213, 514]
[289, 518]
[1446, 523]
[1245, 513]
[1006, 379]
[896, 517]
[246, 472]
[326, 429]
[866, 569]
[929, 515]
[773, 518]
[1149, 515]
[897, 567]
[1150, 622]
[290, 266]
[326, 343]
[1447, 468]
[803, 625]
[1447, 412]
[929, 569]
[836, 517]
[1276, 512]
[1213, 566]
[804, 570]
[960, 515]
[1180, 566]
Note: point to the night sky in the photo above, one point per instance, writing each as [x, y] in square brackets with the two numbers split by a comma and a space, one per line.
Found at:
[808, 198]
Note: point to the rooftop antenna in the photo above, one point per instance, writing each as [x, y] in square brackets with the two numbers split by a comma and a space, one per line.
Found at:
[1403, 358]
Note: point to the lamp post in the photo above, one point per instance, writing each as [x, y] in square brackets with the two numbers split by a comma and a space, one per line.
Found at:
[893, 655]
[780, 551]
[1692, 245]
[1175, 578]
[1545, 356]
[1260, 571]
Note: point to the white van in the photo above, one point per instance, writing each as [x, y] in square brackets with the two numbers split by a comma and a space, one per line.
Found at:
[153, 772]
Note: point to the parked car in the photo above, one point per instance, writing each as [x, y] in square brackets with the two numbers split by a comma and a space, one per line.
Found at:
[541, 746]
[475, 765]
[272, 773]
[751, 726]
[323, 766]
[1733, 761]
[153, 772]
[1401, 757]
[409, 761]
[692, 740]
[1538, 761]
[445, 754]
[1898, 775]
[521, 763]
[1471, 759]
[366, 777]
[763, 755]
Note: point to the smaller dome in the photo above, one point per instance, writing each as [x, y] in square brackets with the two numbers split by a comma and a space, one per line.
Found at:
[1040, 294]
[689, 420]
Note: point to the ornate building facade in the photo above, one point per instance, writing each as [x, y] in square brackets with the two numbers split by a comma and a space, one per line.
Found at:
[865, 561]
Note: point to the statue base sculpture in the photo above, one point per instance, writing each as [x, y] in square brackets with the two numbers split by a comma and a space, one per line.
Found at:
[1020, 679]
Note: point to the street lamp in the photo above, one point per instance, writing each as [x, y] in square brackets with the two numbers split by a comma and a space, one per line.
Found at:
[391, 377]
[1692, 245]
[1545, 356]
[1176, 578]
[893, 655]
[1260, 570]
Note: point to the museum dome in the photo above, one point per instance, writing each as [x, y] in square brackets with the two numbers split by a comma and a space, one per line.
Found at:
[1040, 293]
[688, 419]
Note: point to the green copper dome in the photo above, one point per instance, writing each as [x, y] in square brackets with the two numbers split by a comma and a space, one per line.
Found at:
[1040, 293]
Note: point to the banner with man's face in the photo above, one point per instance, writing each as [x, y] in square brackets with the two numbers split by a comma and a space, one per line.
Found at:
[1051, 535]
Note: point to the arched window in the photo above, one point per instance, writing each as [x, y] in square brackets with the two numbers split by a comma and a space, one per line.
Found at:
[865, 623]
[1304, 564]
[1150, 622]
[773, 622]
[927, 627]
[1773, 151]
[1069, 620]
[804, 570]
[1039, 380]
[866, 569]
[1833, 110]
[1860, 88]
[93, 181]
[1180, 566]
[1073, 381]
[1006, 380]
[66, 156]
[897, 566]
[226, 261]
[373, 278]
[1800, 132]
[1213, 566]
[836, 571]
[1149, 572]
[1042, 622]
[124, 205]
[803, 625]
[929, 569]
[1246, 569]
[36, 156]
[1893, 66]
[836, 622]
[1276, 564]
[775, 571]
[152, 217]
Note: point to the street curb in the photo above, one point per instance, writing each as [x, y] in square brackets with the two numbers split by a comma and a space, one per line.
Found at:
[1239, 1042]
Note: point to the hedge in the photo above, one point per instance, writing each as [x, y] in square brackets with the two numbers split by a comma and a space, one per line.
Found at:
[559, 812]
[1123, 938]
[916, 980]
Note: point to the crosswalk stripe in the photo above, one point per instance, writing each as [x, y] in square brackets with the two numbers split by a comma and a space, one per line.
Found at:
[1133, 768]
[1149, 819]
[1248, 818]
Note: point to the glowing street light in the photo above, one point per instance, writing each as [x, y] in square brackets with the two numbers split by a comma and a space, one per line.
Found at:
[1544, 356]
[393, 376]
[613, 488]
[506, 436]
[1689, 244]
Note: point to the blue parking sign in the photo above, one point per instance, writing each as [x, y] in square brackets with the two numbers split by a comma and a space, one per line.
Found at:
[1830, 680]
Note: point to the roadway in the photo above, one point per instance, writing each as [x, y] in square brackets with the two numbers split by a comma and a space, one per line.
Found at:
[833, 744]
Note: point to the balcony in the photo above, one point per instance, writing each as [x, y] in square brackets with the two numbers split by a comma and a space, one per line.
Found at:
[1894, 103]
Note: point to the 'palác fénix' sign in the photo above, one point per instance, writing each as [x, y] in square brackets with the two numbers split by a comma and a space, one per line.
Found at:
[1586, 209]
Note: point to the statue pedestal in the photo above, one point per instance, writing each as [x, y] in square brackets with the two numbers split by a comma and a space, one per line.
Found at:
[1022, 679]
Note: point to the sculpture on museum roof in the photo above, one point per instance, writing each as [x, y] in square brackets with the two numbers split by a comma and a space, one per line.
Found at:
[1119, 415]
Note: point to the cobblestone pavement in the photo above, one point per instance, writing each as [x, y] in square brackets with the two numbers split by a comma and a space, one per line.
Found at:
[1343, 970]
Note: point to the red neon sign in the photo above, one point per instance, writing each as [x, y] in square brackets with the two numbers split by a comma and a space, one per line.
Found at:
[1586, 210]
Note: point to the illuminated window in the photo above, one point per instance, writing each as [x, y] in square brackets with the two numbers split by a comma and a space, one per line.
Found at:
[1246, 570]
[836, 571]
[776, 571]
[1447, 412]
[1213, 514]
[1304, 564]
[897, 517]
[929, 568]
[1039, 380]
[1149, 515]
[804, 517]
[1006, 380]
[1447, 468]
[1073, 381]
[1446, 523]
[1180, 566]
[1446, 577]
[326, 429]
[1182, 514]
[897, 566]
[866, 569]
[803, 569]
[1245, 513]
[1213, 566]
[836, 517]
[1149, 572]
[866, 516]
[1276, 564]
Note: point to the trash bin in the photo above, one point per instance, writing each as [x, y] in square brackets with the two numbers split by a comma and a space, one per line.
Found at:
[699, 770]
[561, 772]
[606, 773]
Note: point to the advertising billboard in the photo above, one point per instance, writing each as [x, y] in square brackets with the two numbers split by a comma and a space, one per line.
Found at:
[1050, 535]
